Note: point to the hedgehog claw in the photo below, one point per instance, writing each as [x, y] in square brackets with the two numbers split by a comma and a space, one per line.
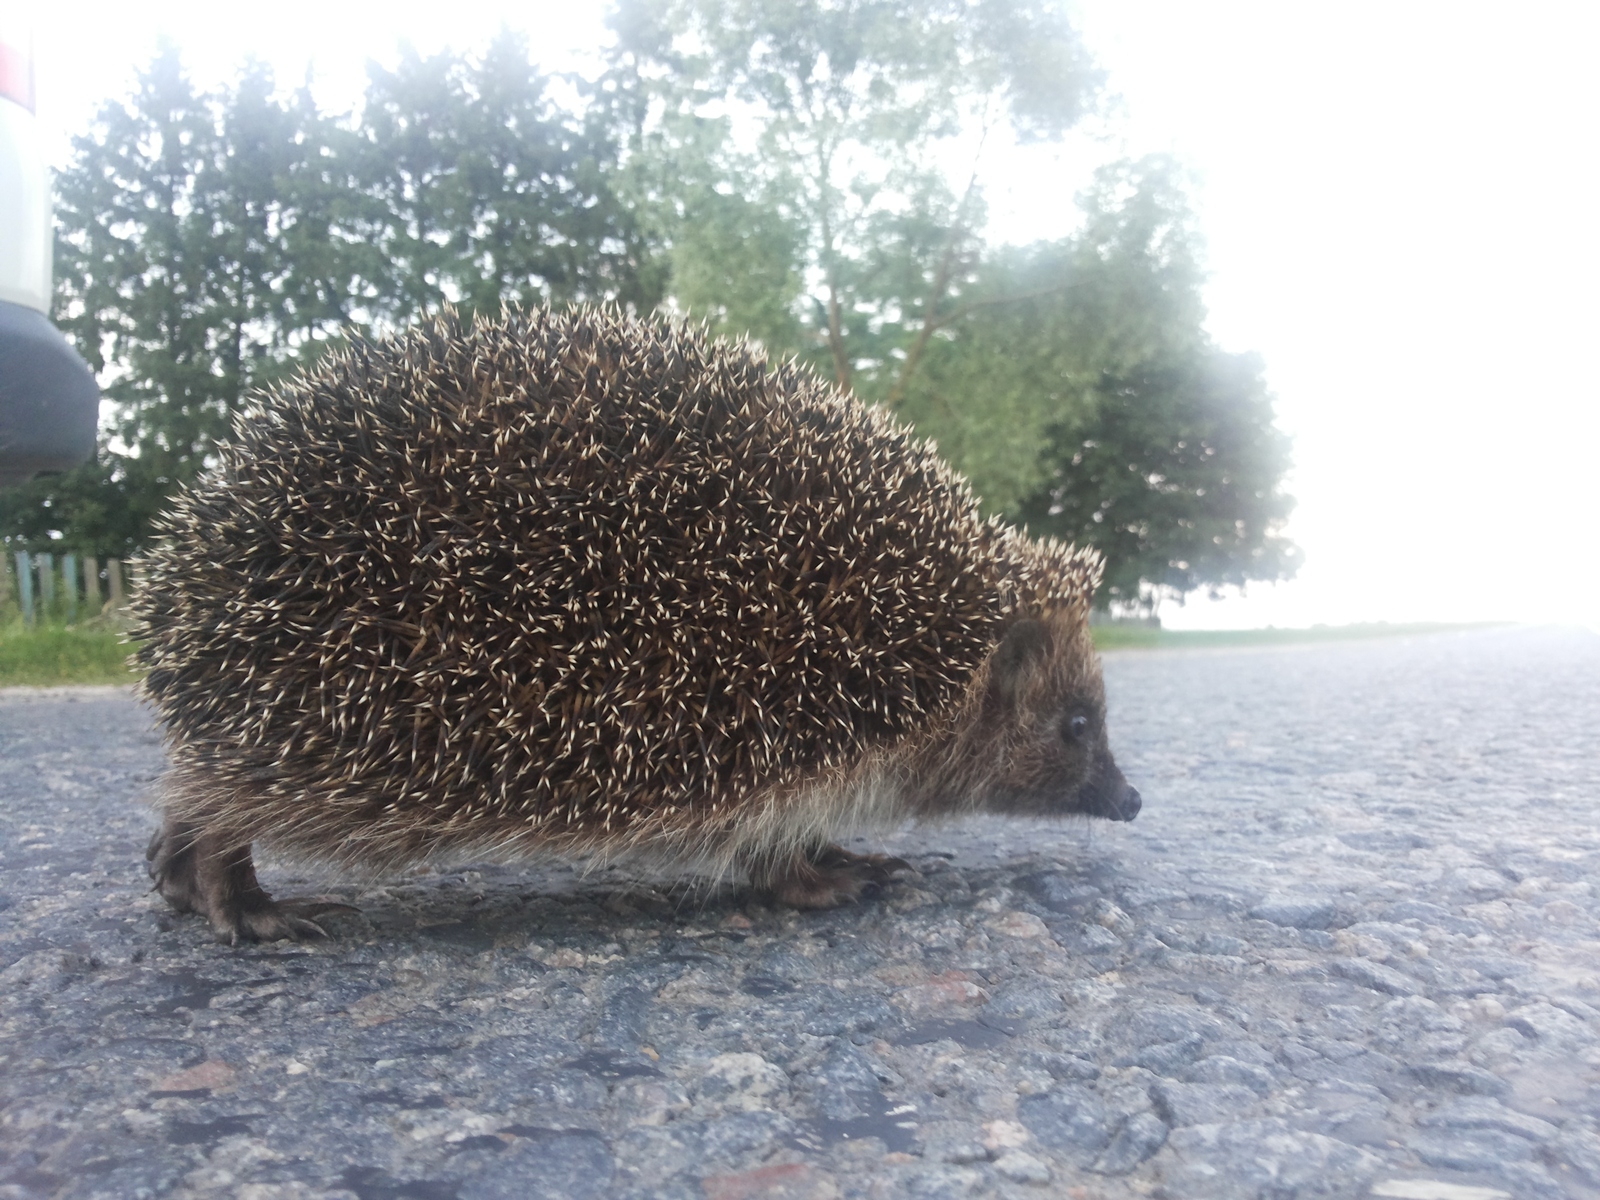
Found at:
[201, 873]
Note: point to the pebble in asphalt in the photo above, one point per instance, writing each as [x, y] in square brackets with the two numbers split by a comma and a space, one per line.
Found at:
[1350, 948]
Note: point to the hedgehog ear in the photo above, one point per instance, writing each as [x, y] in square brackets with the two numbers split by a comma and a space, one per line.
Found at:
[1015, 659]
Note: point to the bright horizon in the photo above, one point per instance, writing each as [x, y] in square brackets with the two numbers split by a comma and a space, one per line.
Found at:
[1398, 205]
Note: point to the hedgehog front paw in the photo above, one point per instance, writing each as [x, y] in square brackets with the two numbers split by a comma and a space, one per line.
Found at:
[828, 877]
[262, 919]
[200, 873]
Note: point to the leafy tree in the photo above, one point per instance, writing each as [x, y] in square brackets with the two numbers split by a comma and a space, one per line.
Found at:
[847, 103]
[1079, 390]
[488, 190]
[1169, 462]
[1037, 326]
[191, 264]
[209, 243]
[727, 258]
[1173, 472]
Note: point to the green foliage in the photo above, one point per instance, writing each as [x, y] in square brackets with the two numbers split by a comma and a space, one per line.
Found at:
[730, 259]
[1078, 389]
[194, 261]
[735, 266]
[844, 105]
[787, 152]
[1035, 327]
[485, 189]
[209, 244]
[48, 654]
[1172, 471]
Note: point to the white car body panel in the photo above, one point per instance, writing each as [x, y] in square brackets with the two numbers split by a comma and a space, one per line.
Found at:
[25, 239]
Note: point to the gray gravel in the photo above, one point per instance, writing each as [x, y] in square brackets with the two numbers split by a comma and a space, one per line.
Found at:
[1349, 948]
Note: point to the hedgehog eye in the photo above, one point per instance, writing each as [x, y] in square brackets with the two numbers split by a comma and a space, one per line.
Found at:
[1077, 727]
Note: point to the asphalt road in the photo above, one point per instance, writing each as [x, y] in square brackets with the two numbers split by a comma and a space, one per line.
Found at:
[1351, 947]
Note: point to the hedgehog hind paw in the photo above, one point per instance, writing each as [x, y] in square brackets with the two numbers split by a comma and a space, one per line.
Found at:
[828, 877]
[202, 873]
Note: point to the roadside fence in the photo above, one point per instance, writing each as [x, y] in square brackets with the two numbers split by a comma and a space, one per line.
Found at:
[69, 587]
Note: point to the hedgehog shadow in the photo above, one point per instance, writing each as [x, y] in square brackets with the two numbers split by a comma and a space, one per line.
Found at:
[489, 905]
[499, 905]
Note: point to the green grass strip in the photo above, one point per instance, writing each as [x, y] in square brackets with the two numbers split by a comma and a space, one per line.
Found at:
[47, 655]
[1143, 637]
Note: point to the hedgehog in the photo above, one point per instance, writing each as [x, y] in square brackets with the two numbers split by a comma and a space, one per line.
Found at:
[578, 583]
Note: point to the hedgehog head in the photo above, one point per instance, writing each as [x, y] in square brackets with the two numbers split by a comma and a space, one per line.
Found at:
[1044, 715]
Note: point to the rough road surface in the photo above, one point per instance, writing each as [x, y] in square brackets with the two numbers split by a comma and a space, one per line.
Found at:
[1350, 948]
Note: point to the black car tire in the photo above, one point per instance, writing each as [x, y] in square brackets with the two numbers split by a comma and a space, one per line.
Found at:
[49, 401]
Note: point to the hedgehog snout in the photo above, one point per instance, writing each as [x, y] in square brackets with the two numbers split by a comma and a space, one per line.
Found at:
[1121, 805]
[1123, 808]
[1108, 794]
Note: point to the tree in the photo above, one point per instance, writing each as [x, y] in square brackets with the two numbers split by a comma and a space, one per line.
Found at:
[1079, 390]
[488, 190]
[188, 270]
[209, 244]
[846, 104]
[1174, 474]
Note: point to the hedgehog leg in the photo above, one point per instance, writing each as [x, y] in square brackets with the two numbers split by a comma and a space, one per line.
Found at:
[827, 876]
[203, 873]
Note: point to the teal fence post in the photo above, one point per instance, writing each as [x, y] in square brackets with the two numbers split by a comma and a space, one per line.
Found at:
[47, 585]
[25, 585]
[69, 585]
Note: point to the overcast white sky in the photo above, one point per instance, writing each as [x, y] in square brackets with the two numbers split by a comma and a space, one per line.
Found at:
[1400, 201]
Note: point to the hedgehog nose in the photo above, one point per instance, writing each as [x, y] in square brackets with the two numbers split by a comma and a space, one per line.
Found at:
[1130, 804]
